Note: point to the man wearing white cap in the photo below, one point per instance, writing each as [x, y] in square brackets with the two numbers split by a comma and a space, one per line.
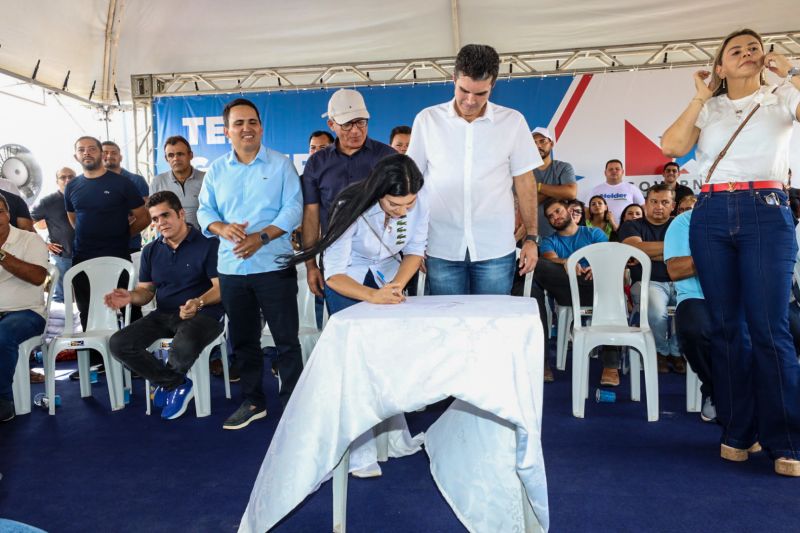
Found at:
[348, 160]
[554, 179]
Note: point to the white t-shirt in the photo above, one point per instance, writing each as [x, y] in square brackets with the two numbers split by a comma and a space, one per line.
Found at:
[19, 295]
[761, 150]
[618, 196]
[468, 169]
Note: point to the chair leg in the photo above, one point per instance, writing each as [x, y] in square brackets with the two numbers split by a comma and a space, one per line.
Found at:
[635, 360]
[202, 383]
[381, 434]
[21, 386]
[340, 474]
[694, 398]
[50, 377]
[562, 339]
[147, 397]
[83, 370]
[223, 350]
[651, 379]
[578, 398]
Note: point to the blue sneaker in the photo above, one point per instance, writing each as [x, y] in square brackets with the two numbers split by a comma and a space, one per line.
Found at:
[158, 396]
[178, 400]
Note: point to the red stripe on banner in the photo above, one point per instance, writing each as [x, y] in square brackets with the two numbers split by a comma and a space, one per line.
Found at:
[572, 104]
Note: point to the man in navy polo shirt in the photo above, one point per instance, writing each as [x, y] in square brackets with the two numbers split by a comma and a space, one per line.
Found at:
[98, 204]
[348, 160]
[112, 161]
[180, 269]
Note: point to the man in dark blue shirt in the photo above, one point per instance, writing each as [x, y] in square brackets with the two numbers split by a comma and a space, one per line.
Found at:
[18, 211]
[98, 205]
[112, 161]
[348, 160]
[51, 214]
[180, 270]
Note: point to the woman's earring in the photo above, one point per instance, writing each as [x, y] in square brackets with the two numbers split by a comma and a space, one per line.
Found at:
[723, 83]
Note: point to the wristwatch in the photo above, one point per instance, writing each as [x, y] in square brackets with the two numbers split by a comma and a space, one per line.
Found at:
[2, 256]
[794, 71]
[534, 239]
[264, 238]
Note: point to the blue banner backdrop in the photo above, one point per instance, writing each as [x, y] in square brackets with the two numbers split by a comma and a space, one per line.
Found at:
[290, 116]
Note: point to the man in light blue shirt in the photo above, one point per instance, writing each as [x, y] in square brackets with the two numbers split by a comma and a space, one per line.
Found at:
[692, 321]
[251, 199]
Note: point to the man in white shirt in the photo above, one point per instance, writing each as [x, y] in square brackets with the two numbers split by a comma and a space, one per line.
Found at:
[471, 152]
[617, 194]
[23, 268]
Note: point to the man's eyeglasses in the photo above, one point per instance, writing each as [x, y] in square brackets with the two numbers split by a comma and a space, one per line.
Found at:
[65, 178]
[360, 122]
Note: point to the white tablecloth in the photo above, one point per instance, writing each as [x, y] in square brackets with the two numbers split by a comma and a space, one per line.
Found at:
[373, 362]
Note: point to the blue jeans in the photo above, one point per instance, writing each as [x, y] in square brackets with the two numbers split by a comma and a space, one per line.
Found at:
[15, 328]
[337, 302]
[492, 276]
[661, 295]
[744, 250]
[62, 264]
[246, 299]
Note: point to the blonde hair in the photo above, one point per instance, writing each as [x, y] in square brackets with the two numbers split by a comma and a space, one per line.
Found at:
[716, 81]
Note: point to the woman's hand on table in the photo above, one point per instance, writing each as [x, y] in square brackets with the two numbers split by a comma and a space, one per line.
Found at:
[391, 293]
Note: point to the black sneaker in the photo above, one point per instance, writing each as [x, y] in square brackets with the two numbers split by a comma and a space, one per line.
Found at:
[76, 375]
[246, 413]
[7, 411]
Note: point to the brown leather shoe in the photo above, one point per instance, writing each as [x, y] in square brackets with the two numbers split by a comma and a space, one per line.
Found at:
[36, 377]
[787, 467]
[663, 364]
[678, 364]
[215, 367]
[610, 377]
[548, 373]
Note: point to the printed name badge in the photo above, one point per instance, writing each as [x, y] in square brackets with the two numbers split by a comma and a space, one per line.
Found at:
[76, 343]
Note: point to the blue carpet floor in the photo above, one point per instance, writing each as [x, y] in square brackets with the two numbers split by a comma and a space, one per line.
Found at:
[88, 469]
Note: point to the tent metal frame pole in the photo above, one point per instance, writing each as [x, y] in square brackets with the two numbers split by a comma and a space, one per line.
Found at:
[641, 56]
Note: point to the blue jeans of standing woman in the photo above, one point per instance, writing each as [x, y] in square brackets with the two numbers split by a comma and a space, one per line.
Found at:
[744, 249]
[337, 302]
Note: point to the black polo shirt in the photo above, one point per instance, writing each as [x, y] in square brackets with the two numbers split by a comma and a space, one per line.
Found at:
[17, 208]
[182, 273]
[648, 233]
[51, 209]
[329, 171]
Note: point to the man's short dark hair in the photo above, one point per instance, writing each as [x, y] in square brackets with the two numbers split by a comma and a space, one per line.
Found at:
[90, 138]
[226, 112]
[110, 143]
[671, 164]
[477, 61]
[399, 130]
[550, 201]
[165, 196]
[320, 133]
[175, 139]
[614, 161]
[659, 187]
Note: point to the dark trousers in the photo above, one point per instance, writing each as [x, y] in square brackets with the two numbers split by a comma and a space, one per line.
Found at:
[744, 250]
[15, 328]
[552, 277]
[82, 293]
[693, 327]
[189, 337]
[272, 295]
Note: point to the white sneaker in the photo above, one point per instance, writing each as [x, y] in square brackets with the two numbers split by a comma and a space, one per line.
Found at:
[373, 470]
[708, 413]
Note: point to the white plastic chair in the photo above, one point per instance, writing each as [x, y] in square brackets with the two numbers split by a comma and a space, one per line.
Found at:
[199, 374]
[564, 331]
[21, 387]
[306, 309]
[103, 274]
[610, 321]
[136, 259]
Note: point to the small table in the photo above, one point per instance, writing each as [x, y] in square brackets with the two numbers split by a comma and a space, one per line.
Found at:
[376, 361]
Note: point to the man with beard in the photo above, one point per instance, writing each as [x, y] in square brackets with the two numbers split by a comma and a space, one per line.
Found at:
[555, 179]
[551, 275]
[648, 234]
[98, 203]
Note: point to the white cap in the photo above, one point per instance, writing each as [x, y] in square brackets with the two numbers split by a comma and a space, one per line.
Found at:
[346, 105]
[544, 132]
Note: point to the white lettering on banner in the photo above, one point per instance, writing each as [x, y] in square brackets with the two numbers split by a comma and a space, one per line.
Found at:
[193, 123]
[215, 133]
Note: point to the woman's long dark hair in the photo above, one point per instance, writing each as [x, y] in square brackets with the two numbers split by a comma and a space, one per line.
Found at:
[605, 215]
[395, 175]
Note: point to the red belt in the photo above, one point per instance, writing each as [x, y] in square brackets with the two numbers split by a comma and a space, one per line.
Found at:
[741, 186]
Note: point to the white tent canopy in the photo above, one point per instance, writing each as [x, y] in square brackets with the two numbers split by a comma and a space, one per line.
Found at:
[104, 42]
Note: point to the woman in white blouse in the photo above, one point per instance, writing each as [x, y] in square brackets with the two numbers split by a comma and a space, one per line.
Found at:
[375, 243]
[743, 246]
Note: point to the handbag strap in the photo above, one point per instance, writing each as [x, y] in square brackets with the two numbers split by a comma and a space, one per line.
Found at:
[380, 239]
[733, 138]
